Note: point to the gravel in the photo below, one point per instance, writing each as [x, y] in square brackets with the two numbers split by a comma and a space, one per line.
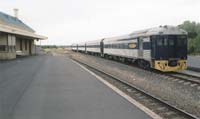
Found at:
[165, 88]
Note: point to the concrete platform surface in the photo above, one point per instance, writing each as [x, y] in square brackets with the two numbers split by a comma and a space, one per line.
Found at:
[194, 61]
[60, 89]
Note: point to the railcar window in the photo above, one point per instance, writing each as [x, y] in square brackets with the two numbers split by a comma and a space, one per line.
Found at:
[171, 42]
[126, 45]
[181, 41]
[116, 46]
[159, 42]
[165, 42]
[119, 46]
[146, 45]
[113, 46]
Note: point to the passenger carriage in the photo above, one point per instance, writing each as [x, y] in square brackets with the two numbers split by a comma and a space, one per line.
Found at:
[93, 47]
[74, 47]
[82, 47]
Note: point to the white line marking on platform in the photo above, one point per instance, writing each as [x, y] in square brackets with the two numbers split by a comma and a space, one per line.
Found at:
[124, 95]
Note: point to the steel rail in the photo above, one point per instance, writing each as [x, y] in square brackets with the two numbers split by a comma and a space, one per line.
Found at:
[187, 77]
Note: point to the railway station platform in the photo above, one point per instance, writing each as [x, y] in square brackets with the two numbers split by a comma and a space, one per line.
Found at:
[61, 89]
[194, 61]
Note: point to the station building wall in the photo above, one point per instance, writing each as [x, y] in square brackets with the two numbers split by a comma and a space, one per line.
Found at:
[7, 46]
[12, 46]
[24, 46]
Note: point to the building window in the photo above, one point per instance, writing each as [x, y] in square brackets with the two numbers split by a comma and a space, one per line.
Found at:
[3, 47]
[3, 42]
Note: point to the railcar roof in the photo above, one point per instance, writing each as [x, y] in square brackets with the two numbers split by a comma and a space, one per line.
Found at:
[165, 30]
[118, 38]
[162, 30]
[94, 41]
[82, 43]
[73, 44]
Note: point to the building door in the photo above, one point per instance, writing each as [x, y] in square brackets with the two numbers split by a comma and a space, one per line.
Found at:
[30, 47]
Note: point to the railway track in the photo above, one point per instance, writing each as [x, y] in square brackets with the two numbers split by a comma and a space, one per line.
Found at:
[192, 79]
[187, 77]
[194, 69]
[176, 75]
[159, 106]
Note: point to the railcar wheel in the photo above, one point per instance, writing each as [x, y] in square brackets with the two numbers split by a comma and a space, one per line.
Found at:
[144, 64]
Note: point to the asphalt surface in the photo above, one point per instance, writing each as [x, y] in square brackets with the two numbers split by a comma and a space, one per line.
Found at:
[54, 87]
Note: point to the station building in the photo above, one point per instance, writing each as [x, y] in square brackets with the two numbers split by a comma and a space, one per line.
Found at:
[16, 38]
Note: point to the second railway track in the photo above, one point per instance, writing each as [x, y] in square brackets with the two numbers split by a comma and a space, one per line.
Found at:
[192, 79]
[186, 77]
[159, 106]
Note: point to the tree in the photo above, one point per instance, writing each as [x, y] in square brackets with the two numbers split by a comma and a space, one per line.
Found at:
[193, 30]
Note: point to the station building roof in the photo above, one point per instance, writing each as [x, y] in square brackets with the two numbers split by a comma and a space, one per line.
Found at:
[13, 25]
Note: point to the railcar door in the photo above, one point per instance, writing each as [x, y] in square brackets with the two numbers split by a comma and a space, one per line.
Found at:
[85, 47]
[153, 47]
[140, 50]
[181, 47]
[101, 48]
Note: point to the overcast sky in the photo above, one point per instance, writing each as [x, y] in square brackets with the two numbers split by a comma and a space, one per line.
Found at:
[69, 21]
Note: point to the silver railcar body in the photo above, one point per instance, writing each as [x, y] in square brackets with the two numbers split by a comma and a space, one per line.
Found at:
[163, 48]
[93, 46]
[128, 48]
[81, 47]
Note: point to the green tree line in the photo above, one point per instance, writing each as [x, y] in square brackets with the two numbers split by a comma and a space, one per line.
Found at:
[193, 30]
[48, 46]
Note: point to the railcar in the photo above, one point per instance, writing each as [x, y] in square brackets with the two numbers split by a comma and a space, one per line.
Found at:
[74, 47]
[93, 47]
[163, 48]
[81, 47]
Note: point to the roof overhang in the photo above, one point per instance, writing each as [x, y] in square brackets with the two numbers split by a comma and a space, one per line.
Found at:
[17, 31]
